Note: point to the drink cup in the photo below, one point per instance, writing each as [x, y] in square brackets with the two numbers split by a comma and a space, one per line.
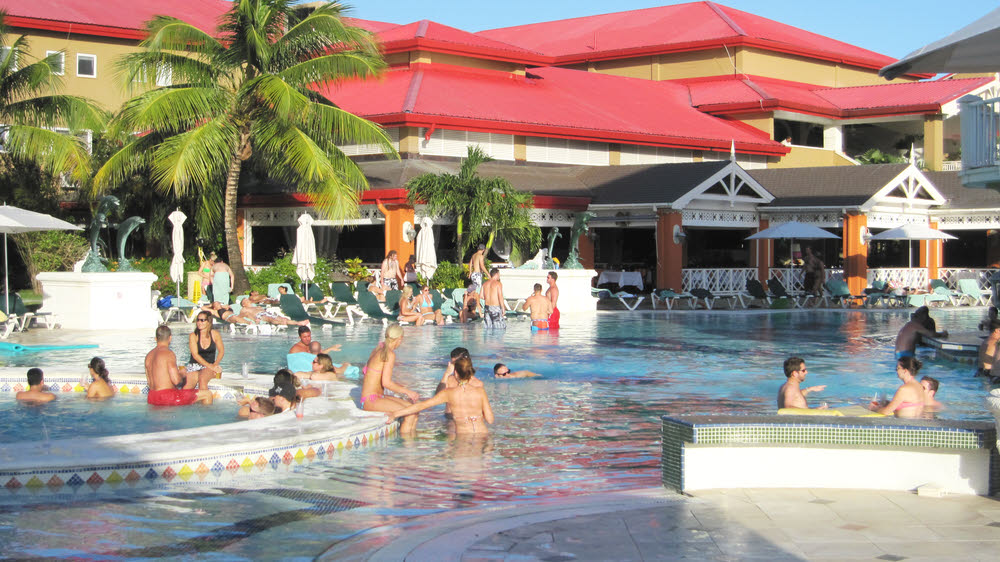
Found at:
[246, 370]
[300, 409]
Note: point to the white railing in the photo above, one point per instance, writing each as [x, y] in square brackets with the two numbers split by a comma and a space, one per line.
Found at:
[798, 277]
[980, 126]
[913, 277]
[952, 275]
[718, 281]
[951, 166]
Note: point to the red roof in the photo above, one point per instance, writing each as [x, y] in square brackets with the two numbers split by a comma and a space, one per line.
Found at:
[724, 95]
[429, 35]
[551, 102]
[697, 25]
[111, 18]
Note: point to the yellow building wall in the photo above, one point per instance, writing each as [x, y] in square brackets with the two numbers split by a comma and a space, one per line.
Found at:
[762, 121]
[712, 62]
[106, 88]
[458, 60]
[783, 66]
[630, 68]
[807, 156]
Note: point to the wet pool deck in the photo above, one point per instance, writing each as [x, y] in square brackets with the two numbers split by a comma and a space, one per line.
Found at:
[654, 524]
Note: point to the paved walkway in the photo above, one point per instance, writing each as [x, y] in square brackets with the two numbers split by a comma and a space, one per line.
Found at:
[654, 524]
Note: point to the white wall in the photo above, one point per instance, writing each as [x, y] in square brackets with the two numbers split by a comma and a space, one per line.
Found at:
[447, 142]
[565, 151]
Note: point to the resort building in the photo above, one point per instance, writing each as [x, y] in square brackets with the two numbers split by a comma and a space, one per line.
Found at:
[683, 128]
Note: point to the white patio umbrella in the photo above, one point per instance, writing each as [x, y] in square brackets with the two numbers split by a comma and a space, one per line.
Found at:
[14, 220]
[304, 257]
[970, 49]
[792, 231]
[177, 218]
[912, 232]
[426, 255]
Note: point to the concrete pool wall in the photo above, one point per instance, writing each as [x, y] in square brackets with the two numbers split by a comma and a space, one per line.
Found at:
[714, 452]
[210, 454]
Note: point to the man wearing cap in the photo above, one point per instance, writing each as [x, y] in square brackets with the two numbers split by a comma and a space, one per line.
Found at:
[283, 391]
[477, 265]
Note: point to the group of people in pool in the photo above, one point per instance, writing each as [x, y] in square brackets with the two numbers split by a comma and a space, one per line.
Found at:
[98, 388]
[913, 399]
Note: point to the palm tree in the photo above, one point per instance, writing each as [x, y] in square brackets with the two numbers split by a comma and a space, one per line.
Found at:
[30, 110]
[487, 207]
[247, 91]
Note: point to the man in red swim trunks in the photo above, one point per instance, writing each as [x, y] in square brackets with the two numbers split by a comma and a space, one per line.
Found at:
[553, 294]
[163, 378]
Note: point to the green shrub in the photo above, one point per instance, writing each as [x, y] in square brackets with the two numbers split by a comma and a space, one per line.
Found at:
[161, 267]
[283, 271]
[55, 250]
[355, 269]
[449, 276]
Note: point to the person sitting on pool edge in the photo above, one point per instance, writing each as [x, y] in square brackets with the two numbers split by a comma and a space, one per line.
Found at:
[99, 387]
[540, 307]
[920, 324]
[469, 404]
[163, 378]
[502, 371]
[791, 394]
[36, 388]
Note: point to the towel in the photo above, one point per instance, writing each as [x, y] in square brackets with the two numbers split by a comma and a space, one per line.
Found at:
[220, 287]
[301, 361]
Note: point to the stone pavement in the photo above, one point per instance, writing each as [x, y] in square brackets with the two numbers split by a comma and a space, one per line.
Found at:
[654, 524]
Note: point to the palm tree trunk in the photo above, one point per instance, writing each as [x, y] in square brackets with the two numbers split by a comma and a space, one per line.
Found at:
[240, 283]
[459, 253]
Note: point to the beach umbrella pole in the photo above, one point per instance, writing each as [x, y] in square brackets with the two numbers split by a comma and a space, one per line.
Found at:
[6, 276]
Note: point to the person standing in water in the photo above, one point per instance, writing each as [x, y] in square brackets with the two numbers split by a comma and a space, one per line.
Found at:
[99, 387]
[470, 406]
[378, 378]
[553, 294]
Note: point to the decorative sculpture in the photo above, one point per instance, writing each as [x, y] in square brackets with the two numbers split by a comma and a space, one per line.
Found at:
[553, 234]
[124, 230]
[108, 205]
[580, 227]
[534, 263]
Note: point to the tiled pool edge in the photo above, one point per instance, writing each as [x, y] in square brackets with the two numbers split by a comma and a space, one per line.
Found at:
[331, 427]
[746, 441]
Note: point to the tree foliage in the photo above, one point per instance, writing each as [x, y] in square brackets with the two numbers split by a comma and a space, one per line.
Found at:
[876, 156]
[484, 208]
[246, 90]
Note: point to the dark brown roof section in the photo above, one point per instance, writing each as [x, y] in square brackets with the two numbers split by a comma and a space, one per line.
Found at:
[961, 197]
[827, 186]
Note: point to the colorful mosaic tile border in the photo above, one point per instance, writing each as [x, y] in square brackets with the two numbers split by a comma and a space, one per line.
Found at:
[203, 469]
[56, 384]
[859, 432]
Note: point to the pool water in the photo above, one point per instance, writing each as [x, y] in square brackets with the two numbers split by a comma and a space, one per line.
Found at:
[590, 424]
[72, 416]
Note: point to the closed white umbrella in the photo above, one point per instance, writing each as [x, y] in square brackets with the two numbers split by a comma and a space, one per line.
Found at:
[14, 220]
[426, 254]
[912, 232]
[304, 257]
[177, 218]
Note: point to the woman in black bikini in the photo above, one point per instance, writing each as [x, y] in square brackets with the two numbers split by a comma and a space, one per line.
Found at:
[207, 351]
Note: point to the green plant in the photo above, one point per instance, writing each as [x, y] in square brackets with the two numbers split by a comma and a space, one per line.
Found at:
[161, 267]
[283, 271]
[449, 276]
[253, 87]
[356, 270]
[876, 156]
[50, 251]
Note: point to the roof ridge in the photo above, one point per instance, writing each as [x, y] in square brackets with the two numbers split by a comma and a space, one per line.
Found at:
[728, 20]
[760, 90]
[410, 101]
[422, 28]
[842, 88]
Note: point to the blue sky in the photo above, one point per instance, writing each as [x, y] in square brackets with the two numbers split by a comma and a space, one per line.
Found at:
[890, 27]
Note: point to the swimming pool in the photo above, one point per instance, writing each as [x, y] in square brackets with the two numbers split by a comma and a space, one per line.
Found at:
[591, 424]
[73, 416]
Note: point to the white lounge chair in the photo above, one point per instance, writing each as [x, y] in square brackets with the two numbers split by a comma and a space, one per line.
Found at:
[669, 298]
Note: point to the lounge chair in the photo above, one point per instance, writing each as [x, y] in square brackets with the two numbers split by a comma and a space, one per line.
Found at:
[272, 290]
[18, 312]
[179, 305]
[837, 292]
[369, 305]
[8, 325]
[392, 300]
[940, 287]
[322, 304]
[220, 287]
[709, 298]
[756, 292]
[970, 290]
[669, 298]
[292, 307]
[778, 290]
[880, 294]
[622, 297]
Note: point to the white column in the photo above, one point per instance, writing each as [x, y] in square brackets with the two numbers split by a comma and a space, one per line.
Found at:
[833, 137]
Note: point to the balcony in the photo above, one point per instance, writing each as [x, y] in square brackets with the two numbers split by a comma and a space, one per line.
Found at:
[980, 147]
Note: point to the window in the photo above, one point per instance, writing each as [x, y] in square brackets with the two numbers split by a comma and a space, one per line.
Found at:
[164, 75]
[58, 61]
[86, 66]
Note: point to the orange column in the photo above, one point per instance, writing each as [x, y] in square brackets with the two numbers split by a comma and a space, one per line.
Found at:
[855, 253]
[395, 216]
[762, 253]
[670, 254]
[931, 254]
[586, 249]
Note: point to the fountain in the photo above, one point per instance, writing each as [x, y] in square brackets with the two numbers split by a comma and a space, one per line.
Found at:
[95, 298]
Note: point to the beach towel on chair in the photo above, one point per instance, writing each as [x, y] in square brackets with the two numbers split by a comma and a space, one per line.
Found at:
[220, 287]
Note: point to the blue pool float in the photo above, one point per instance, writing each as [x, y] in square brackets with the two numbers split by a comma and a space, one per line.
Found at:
[7, 347]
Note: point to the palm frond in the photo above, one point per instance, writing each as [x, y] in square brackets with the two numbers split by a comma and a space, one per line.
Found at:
[165, 33]
[53, 152]
[133, 158]
[171, 109]
[196, 157]
[333, 68]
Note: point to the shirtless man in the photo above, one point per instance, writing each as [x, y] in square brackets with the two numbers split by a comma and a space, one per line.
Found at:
[988, 351]
[493, 313]
[470, 304]
[477, 265]
[791, 394]
[502, 371]
[392, 277]
[540, 307]
[36, 388]
[931, 386]
[906, 341]
[469, 404]
[448, 380]
[553, 293]
[163, 378]
[305, 342]
[219, 266]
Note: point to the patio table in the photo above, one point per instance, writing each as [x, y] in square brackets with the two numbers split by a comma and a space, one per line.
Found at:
[622, 278]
